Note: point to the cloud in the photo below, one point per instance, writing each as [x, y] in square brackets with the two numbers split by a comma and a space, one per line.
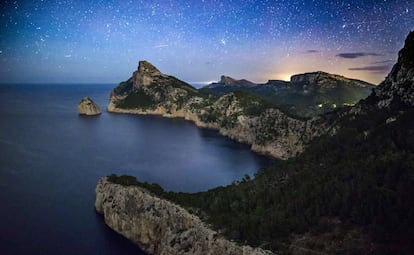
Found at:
[383, 62]
[311, 51]
[379, 69]
[356, 54]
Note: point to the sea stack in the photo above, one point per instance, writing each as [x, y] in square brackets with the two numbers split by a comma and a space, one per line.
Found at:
[88, 107]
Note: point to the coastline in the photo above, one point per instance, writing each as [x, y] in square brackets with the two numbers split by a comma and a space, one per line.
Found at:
[242, 134]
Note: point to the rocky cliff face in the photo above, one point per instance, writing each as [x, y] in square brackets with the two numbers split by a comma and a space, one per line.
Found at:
[159, 226]
[306, 95]
[88, 107]
[238, 115]
[320, 79]
[399, 84]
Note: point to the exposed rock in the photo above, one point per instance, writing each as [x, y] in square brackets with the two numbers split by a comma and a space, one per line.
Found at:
[398, 87]
[325, 80]
[306, 95]
[159, 226]
[240, 116]
[88, 107]
[146, 74]
[162, 227]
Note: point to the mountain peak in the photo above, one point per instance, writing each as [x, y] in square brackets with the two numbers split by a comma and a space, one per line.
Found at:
[145, 74]
[146, 67]
[327, 80]
[399, 84]
[227, 80]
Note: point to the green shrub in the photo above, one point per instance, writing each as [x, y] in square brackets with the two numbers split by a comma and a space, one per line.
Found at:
[137, 99]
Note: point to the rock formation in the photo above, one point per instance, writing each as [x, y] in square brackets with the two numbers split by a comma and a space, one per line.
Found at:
[305, 95]
[316, 80]
[399, 84]
[88, 107]
[226, 81]
[159, 226]
[238, 115]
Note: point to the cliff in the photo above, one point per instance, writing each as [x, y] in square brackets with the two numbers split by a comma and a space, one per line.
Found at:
[88, 107]
[305, 95]
[238, 115]
[398, 87]
[159, 226]
[349, 193]
[316, 80]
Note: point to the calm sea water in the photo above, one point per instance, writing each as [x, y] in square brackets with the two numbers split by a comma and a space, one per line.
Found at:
[51, 160]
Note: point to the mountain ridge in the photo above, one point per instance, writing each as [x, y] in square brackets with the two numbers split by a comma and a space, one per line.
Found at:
[306, 95]
[349, 192]
[229, 81]
[238, 115]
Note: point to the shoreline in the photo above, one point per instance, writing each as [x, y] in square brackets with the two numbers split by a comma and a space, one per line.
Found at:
[277, 154]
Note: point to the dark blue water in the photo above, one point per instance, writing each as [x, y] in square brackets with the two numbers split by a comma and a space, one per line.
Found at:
[51, 160]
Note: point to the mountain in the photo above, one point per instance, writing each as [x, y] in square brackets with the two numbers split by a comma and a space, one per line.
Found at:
[307, 94]
[147, 88]
[349, 192]
[158, 226]
[322, 80]
[239, 115]
[226, 81]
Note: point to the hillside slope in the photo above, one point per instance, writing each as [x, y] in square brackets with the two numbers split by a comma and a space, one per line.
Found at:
[349, 192]
[306, 95]
[238, 115]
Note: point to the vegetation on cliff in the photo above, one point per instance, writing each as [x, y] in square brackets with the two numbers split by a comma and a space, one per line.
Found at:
[354, 178]
[306, 95]
[240, 115]
[349, 192]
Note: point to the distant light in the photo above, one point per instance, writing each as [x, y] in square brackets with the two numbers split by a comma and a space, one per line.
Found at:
[348, 104]
[320, 105]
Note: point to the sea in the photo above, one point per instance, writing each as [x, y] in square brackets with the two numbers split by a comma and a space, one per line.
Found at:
[51, 160]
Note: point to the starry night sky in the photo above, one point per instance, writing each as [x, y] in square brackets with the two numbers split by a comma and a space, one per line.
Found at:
[197, 41]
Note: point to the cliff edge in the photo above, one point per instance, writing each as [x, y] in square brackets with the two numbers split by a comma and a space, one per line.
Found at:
[159, 226]
[238, 115]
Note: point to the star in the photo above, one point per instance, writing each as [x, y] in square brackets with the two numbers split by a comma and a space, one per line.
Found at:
[269, 35]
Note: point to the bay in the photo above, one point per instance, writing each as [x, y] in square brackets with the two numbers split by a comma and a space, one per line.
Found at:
[51, 159]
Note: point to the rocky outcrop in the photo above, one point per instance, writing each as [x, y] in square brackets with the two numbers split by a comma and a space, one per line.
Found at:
[226, 81]
[399, 84]
[316, 80]
[159, 226]
[88, 107]
[306, 95]
[238, 115]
